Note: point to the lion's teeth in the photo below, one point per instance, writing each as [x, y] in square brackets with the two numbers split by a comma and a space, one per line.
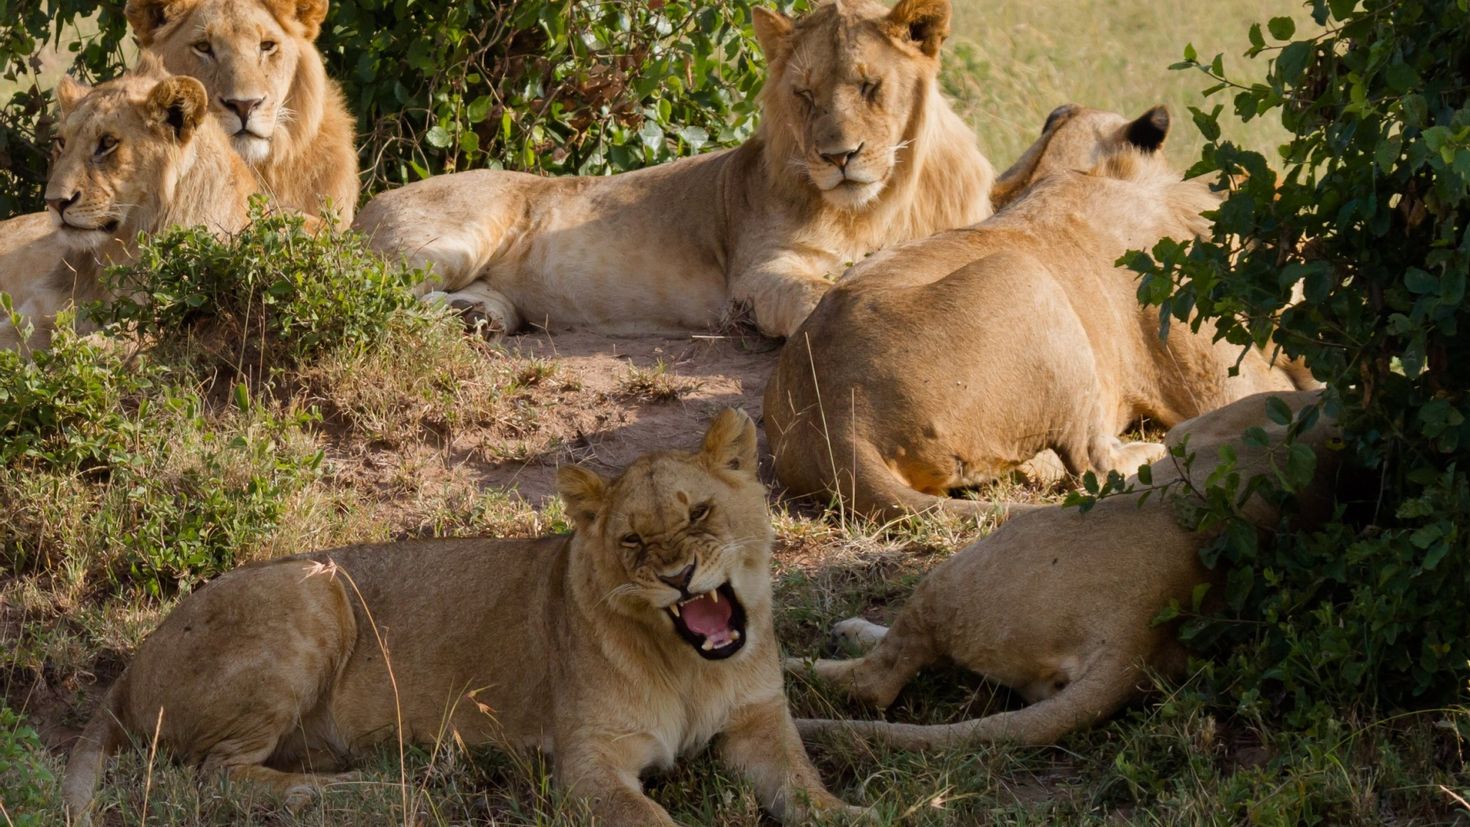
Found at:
[734, 635]
[707, 646]
[715, 596]
[675, 609]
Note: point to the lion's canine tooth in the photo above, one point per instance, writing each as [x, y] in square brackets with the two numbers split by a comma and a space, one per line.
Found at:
[734, 635]
[674, 607]
[707, 646]
[715, 595]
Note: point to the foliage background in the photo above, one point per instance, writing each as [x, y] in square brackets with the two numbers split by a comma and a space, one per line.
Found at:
[539, 85]
[1369, 219]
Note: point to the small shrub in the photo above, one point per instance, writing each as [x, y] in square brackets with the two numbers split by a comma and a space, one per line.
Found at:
[115, 473]
[27, 780]
[275, 295]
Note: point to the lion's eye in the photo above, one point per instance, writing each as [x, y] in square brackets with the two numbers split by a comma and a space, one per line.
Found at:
[106, 145]
[203, 47]
[806, 95]
[58, 144]
[698, 512]
[268, 47]
[631, 541]
[870, 88]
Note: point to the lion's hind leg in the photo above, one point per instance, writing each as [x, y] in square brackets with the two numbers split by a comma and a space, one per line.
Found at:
[876, 678]
[484, 309]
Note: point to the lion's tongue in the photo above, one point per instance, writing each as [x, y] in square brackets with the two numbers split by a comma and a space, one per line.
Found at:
[708, 617]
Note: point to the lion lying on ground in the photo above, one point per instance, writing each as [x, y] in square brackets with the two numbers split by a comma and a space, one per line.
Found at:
[856, 150]
[631, 642]
[134, 155]
[1058, 604]
[947, 362]
[268, 88]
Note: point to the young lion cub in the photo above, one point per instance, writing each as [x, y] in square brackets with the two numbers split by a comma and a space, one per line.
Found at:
[638, 638]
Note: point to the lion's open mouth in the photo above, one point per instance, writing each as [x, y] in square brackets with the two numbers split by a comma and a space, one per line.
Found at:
[712, 622]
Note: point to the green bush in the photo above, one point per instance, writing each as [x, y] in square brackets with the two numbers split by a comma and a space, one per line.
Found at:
[27, 782]
[117, 476]
[1369, 219]
[554, 86]
[274, 295]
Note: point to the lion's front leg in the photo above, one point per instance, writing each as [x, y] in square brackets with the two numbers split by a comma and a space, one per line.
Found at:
[605, 776]
[782, 289]
[484, 309]
[762, 743]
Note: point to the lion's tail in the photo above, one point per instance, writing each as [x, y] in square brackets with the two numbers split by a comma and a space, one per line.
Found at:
[874, 489]
[1098, 693]
[102, 737]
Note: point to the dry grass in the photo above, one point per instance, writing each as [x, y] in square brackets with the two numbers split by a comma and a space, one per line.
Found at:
[655, 383]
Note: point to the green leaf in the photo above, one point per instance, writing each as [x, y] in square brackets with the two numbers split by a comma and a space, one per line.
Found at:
[1281, 28]
[438, 137]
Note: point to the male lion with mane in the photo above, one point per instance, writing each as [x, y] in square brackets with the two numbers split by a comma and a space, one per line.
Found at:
[268, 88]
[138, 154]
[946, 363]
[637, 639]
[856, 150]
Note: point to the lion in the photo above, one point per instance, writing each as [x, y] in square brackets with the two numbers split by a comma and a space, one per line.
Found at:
[134, 155]
[856, 150]
[948, 362]
[638, 638]
[1058, 604]
[268, 88]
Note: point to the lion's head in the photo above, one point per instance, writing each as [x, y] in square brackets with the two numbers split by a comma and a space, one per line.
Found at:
[1078, 138]
[246, 52]
[118, 149]
[847, 84]
[680, 541]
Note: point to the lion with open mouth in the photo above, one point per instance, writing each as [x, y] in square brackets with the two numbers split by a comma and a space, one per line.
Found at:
[639, 638]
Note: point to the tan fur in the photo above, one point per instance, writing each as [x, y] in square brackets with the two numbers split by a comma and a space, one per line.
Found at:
[172, 165]
[299, 139]
[275, 671]
[947, 362]
[670, 247]
[1058, 604]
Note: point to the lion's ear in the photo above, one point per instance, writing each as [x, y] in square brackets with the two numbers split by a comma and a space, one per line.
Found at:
[147, 17]
[923, 22]
[69, 92]
[311, 13]
[179, 103]
[1150, 129]
[584, 493]
[772, 28]
[730, 442]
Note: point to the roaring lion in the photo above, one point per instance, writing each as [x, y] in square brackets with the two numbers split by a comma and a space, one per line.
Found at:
[856, 150]
[638, 638]
[946, 363]
[268, 88]
[1059, 604]
[133, 155]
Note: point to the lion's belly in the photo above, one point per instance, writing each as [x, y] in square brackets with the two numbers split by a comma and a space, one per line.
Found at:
[599, 276]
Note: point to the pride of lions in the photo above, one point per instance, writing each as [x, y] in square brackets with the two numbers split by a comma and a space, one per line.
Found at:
[984, 330]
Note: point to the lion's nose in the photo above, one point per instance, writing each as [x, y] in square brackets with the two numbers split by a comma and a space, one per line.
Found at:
[681, 580]
[60, 204]
[839, 158]
[242, 108]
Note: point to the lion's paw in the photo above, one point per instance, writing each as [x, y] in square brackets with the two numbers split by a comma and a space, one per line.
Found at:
[858, 633]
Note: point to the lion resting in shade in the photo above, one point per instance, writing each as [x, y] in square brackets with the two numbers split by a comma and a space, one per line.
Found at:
[1058, 604]
[637, 639]
[945, 363]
